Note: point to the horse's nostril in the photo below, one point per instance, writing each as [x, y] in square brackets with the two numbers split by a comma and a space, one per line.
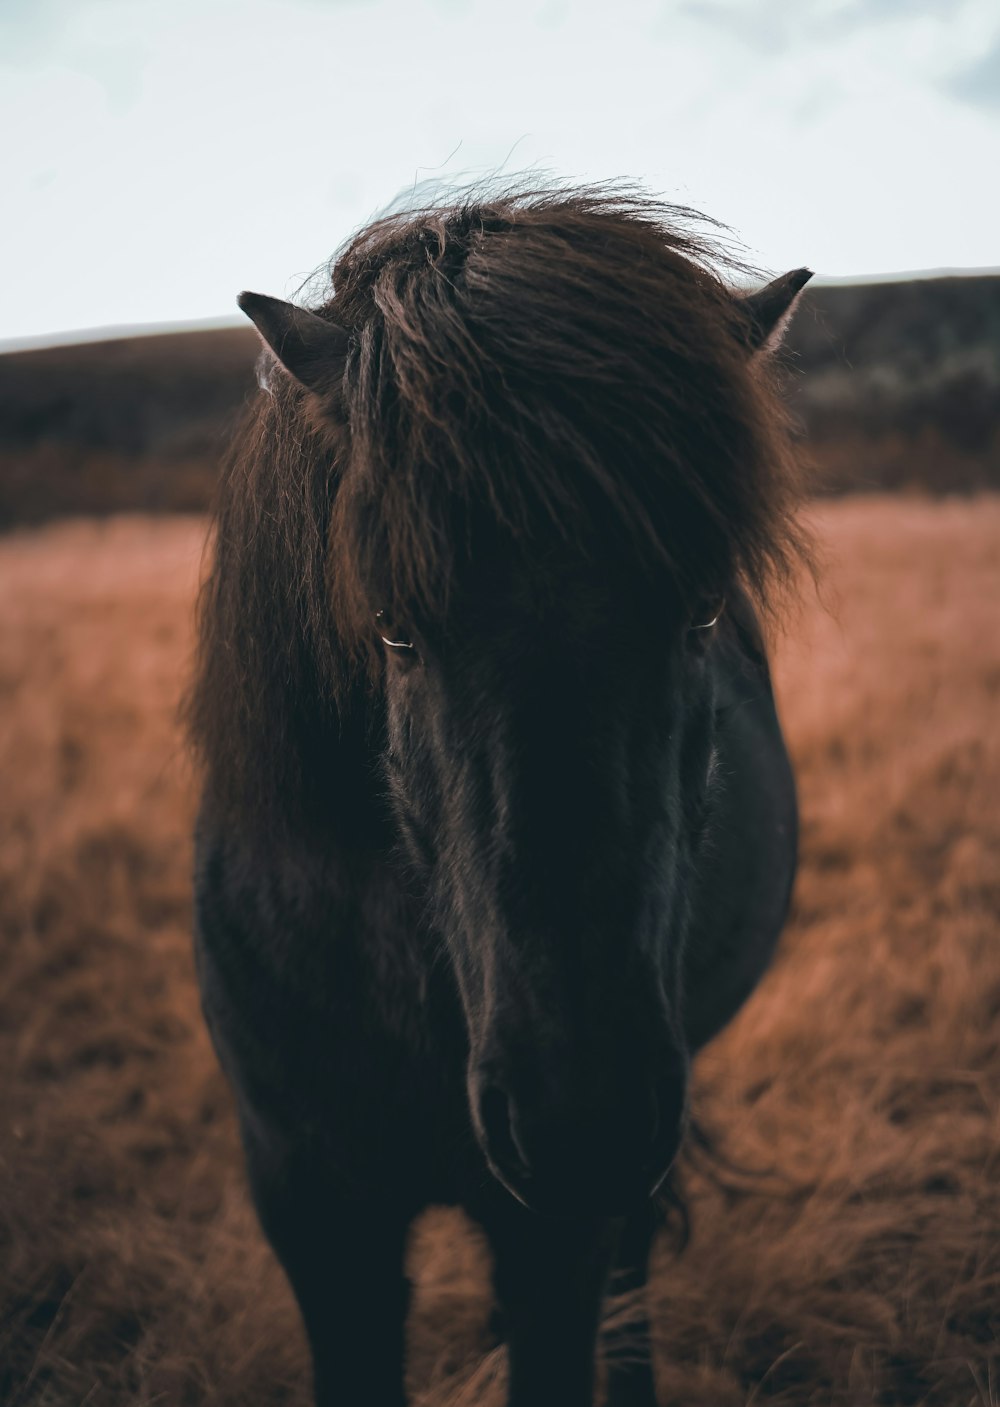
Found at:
[670, 1102]
[496, 1118]
[655, 1119]
[667, 1123]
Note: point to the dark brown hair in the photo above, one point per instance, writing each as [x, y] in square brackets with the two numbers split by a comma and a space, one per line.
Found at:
[530, 367]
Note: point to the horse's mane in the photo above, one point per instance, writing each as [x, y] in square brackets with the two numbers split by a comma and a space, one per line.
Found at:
[526, 367]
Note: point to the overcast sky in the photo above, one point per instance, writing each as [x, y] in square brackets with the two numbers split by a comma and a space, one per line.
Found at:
[160, 155]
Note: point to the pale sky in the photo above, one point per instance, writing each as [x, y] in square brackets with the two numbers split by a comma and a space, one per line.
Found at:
[160, 155]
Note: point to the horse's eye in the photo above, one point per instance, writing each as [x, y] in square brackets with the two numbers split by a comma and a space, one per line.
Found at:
[394, 636]
[708, 615]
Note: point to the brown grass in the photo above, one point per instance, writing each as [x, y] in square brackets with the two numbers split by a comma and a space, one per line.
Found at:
[865, 1073]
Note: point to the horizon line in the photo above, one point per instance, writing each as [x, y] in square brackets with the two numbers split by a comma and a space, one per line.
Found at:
[120, 332]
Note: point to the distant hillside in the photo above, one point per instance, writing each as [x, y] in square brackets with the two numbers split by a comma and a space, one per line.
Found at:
[895, 385]
[137, 422]
[898, 384]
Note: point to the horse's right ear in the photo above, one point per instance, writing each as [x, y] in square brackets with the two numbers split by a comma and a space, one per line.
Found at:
[309, 348]
[768, 312]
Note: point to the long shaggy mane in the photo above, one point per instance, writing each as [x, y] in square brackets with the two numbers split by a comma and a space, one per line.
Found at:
[528, 369]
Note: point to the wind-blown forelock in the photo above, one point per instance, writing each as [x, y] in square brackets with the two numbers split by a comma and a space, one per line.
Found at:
[568, 364]
[537, 367]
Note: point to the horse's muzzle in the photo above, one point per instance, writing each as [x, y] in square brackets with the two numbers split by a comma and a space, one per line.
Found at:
[568, 1160]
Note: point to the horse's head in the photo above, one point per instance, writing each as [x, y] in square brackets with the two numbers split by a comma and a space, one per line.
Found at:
[549, 750]
[555, 459]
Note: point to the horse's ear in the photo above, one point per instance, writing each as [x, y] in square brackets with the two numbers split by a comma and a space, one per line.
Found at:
[308, 347]
[769, 311]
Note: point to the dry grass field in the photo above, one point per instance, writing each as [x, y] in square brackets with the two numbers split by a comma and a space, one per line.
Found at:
[860, 1265]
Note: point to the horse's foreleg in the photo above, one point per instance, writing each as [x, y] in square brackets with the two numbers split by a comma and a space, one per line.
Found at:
[344, 1260]
[549, 1278]
[629, 1353]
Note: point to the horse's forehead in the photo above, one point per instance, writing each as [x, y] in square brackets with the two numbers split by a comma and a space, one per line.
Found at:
[535, 619]
[590, 588]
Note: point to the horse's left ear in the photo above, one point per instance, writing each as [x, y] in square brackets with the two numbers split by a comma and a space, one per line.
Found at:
[769, 311]
[309, 347]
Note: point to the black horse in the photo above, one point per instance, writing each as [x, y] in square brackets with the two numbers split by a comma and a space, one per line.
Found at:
[498, 826]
